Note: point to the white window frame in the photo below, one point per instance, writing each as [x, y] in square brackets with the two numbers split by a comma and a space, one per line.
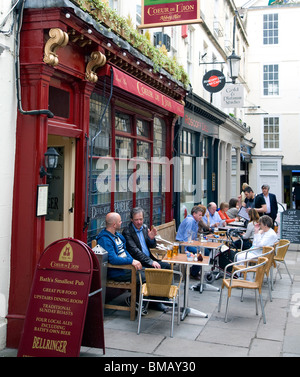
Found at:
[263, 79]
[263, 133]
[263, 30]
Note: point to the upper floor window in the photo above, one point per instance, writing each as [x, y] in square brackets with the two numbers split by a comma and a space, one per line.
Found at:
[270, 29]
[271, 80]
[271, 133]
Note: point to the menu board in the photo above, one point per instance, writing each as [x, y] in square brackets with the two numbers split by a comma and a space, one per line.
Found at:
[290, 225]
[56, 314]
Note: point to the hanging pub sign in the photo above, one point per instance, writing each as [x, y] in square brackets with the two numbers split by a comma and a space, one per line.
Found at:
[214, 81]
[65, 306]
[233, 96]
[160, 13]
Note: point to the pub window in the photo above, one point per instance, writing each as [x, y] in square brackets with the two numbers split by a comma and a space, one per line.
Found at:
[159, 175]
[100, 163]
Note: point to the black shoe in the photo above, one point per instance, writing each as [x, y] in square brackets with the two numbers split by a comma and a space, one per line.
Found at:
[144, 307]
[158, 306]
[196, 277]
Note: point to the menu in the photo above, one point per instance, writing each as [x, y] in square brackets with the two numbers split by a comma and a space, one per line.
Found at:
[290, 225]
[56, 314]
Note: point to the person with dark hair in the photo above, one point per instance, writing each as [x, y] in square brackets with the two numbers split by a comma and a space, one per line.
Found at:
[249, 234]
[233, 210]
[254, 201]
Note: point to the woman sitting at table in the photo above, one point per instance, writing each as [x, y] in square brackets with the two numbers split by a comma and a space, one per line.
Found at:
[249, 234]
[264, 235]
[224, 207]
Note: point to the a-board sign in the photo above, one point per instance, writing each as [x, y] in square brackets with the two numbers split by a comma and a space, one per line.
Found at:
[65, 288]
[290, 225]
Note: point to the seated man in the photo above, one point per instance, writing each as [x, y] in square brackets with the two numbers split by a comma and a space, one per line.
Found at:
[115, 244]
[139, 240]
[189, 229]
[212, 217]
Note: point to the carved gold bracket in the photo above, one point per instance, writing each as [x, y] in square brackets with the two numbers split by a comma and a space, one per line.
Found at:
[98, 61]
[58, 38]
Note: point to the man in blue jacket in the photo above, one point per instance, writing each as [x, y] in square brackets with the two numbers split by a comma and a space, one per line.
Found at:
[115, 244]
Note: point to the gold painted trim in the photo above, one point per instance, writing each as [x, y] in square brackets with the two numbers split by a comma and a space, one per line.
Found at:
[58, 38]
[98, 60]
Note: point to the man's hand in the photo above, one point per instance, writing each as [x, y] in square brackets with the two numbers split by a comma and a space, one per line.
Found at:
[156, 265]
[137, 265]
[152, 233]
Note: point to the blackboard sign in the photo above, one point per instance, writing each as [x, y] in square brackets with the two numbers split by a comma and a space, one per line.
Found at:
[290, 225]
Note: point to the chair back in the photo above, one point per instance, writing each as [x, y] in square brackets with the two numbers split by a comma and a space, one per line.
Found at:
[282, 249]
[260, 272]
[268, 252]
[158, 281]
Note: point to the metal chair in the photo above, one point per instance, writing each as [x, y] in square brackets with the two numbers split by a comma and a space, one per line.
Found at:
[245, 284]
[281, 251]
[159, 288]
[268, 252]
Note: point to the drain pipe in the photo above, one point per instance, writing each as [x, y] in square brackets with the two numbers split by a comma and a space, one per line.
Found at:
[49, 114]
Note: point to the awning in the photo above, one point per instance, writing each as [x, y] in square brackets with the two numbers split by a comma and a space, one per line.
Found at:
[136, 87]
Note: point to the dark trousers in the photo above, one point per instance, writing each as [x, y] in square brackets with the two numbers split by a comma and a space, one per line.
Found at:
[127, 277]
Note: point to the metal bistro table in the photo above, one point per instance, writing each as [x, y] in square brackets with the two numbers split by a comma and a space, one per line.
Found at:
[182, 259]
[212, 245]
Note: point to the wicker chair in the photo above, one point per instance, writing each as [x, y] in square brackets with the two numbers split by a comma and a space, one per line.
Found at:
[159, 288]
[268, 252]
[281, 251]
[244, 284]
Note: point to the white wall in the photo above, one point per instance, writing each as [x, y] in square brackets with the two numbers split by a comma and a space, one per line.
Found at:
[7, 158]
[286, 105]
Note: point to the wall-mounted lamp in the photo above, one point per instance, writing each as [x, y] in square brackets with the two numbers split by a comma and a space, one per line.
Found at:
[234, 60]
[51, 160]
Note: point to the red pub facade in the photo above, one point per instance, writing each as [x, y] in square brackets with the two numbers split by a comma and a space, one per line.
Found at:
[112, 115]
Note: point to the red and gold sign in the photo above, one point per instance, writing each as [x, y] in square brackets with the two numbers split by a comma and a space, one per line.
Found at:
[159, 13]
[133, 86]
[56, 314]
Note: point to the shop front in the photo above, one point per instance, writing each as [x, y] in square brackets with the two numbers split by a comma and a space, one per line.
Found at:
[197, 145]
[111, 124]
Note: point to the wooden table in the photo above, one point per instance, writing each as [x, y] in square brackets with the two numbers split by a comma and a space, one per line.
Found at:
[182, 260]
